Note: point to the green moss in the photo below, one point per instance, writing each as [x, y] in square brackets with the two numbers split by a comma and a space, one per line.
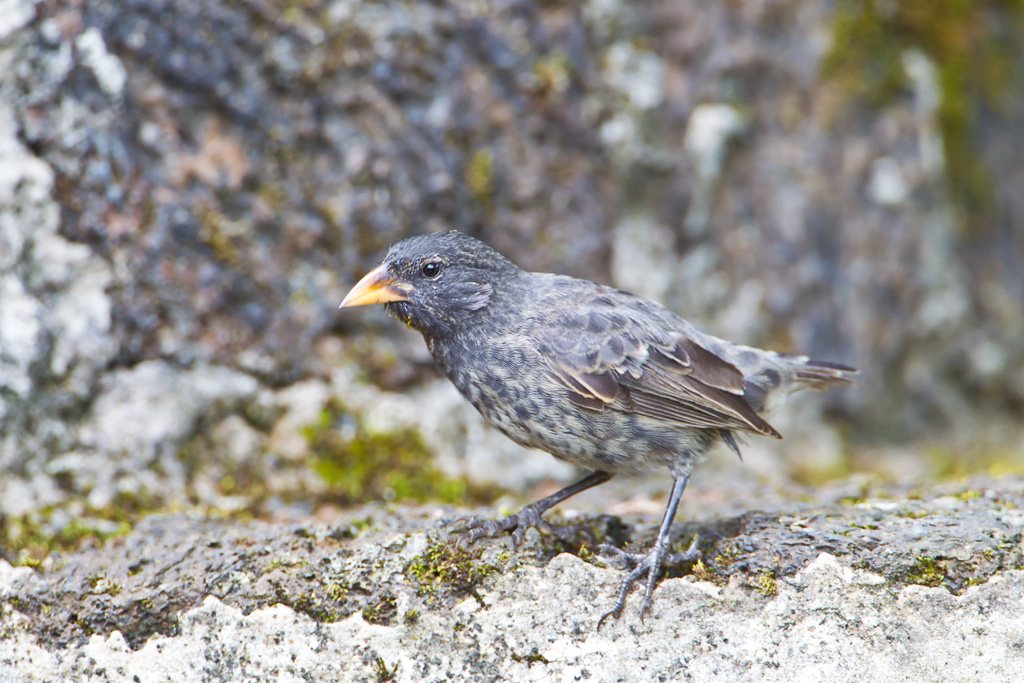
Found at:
[972, 46]
[926, 572]
[714, 568]
[31, 537]
[220, 234]
[283, 563]
[369, 466]
[726, 557]
[381, 611]
[382, 672]
[1000, 462]
[479, 173]
[446, 569]
[957, 463]
[701, 572]
[535, 657]
[914, 514]
[856, 526]
[360, 525]
[590, 558]
[129, 506]
[553, 74]
[816, 475]
[337, 591]
[274, 195]
[310, 605]
[767, 584]
[101, 585]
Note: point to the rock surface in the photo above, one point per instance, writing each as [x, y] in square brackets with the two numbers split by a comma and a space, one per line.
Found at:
[197, 187]
[827, 623]
[884, 589]
[188, 189]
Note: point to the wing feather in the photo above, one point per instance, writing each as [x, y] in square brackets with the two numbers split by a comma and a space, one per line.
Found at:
[648, 363]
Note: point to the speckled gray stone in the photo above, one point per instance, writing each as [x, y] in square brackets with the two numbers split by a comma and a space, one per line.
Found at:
[183, 598]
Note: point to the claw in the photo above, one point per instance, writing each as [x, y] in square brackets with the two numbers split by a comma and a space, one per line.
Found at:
[570, 534]
[530, 516]
[619, 558]
[650, 563]
[518, 524]
[614, 612]
[638, 565]
[691, 554]
[477, 528]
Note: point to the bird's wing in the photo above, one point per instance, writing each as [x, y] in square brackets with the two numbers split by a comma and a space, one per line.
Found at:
[619, 352]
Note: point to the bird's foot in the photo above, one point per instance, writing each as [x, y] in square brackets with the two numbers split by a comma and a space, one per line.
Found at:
[529, 517]
[639, 564]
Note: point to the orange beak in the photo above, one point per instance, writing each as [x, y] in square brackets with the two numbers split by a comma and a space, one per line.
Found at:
[377, 287]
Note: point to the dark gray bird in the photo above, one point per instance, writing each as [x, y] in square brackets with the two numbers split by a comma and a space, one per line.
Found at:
[595, 376]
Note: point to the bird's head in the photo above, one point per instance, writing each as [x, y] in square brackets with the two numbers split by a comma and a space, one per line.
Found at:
[436, 282]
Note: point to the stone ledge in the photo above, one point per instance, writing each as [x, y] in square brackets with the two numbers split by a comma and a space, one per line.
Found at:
[380, 594]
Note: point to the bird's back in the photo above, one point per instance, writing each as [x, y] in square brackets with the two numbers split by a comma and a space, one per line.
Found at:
[612, 381]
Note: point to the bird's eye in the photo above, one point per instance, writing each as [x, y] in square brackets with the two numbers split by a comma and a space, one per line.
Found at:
[431, 269]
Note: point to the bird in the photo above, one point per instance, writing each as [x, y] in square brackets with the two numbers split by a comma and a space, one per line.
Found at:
[606, 380]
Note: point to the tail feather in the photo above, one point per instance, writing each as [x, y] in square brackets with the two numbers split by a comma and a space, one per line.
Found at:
[821, 372]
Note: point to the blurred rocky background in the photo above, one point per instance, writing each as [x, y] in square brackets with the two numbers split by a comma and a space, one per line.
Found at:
[187, 190]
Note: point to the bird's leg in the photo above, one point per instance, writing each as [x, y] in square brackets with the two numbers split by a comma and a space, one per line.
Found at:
[651, 562]
[529, 516]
